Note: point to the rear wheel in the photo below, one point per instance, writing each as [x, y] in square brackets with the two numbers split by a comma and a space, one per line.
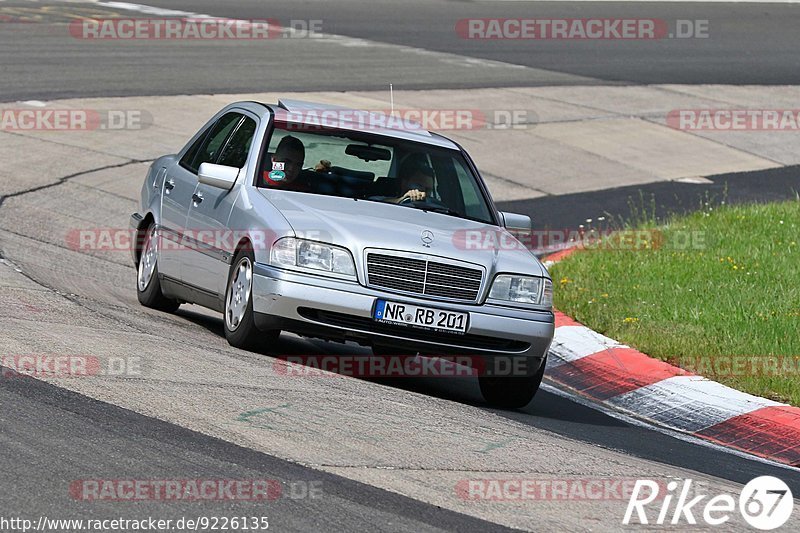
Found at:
[240, 327]
[511, 392]
[148, 287]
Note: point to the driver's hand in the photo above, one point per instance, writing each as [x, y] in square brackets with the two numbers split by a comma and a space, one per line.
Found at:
[415, 195]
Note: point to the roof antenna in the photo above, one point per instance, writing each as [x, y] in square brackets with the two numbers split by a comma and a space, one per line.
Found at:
[391, 97]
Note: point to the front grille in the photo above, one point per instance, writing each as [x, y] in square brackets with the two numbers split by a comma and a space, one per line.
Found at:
[467, 341]
[423, 277]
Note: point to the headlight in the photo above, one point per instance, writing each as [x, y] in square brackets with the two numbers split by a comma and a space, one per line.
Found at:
[300, 253]
[522, 289]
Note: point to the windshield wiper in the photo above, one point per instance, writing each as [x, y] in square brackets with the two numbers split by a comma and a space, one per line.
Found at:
[435, 208]
[444, 211]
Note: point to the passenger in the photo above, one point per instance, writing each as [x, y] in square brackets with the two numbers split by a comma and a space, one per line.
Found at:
[416, 178]
[286, 166]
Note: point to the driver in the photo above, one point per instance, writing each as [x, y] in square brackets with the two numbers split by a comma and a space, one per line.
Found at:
[287, 162]
[416, 178]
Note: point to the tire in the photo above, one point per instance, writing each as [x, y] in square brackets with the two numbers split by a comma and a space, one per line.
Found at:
[240, 328]
[148, 286]
[511, 392]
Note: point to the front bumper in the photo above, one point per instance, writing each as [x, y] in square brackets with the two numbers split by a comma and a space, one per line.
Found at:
[342, 310]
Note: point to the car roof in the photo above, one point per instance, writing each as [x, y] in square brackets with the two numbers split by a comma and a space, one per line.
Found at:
[317, 114]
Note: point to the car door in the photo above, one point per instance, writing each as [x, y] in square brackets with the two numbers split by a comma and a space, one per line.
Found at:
[210, 209]
[179, 185]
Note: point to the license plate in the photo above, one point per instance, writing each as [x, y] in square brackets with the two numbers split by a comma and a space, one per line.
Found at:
[420, 317]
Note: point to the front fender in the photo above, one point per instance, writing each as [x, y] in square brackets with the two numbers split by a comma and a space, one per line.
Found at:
[257, 219]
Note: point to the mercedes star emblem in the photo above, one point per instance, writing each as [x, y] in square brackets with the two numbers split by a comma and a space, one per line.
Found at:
[427, 238]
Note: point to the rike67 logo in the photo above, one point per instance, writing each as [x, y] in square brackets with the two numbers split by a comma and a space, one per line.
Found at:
[765, 503]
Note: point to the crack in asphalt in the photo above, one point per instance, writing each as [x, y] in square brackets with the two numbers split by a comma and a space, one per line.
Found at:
[59, 181]
[65, 179]
[73, 298]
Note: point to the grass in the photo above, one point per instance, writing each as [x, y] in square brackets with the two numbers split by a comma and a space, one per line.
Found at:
[712, 286]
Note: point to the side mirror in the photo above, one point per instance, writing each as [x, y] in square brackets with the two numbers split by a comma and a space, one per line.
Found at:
[217, 175]
[514, 222]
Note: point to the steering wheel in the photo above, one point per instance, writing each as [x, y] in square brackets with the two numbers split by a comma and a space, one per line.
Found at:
[429, 200]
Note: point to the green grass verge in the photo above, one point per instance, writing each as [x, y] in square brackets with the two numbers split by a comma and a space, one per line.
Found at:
[720, 296]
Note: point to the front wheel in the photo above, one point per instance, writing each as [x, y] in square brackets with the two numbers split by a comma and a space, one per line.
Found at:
[511, 392]
[240, 327]
[148, 287]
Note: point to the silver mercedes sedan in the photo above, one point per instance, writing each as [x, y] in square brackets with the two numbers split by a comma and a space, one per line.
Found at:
[345, 225]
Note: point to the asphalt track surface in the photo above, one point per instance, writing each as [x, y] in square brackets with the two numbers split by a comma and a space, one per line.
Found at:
[747, 43]
[51, 436]
[411, 44]
[659, 200]
[85, 303]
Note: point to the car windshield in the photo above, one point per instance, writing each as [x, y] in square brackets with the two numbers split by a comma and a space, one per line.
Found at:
[374, 168]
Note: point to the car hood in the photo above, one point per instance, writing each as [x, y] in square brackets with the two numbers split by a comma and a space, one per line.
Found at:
[360, 224]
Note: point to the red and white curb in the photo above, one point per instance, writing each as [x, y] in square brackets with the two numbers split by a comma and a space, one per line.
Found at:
[626, 380]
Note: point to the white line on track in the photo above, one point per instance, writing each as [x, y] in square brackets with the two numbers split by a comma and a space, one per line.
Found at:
[659, 1]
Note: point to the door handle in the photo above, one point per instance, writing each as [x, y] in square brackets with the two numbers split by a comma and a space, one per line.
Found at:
[169, 184]
[197, 198]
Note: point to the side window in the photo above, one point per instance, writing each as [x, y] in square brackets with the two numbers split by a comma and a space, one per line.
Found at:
[236, 150]
[209, 149]
[186, 161]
